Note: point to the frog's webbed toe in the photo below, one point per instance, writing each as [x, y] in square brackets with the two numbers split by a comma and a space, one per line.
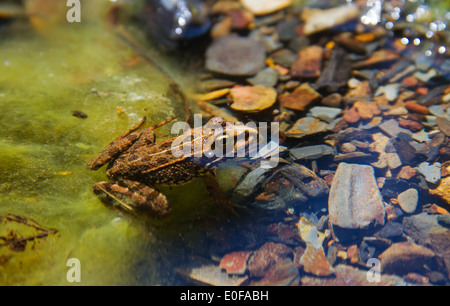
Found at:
[133, 197]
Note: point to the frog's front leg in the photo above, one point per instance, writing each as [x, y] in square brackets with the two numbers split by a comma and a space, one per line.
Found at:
[133, 197]
[115, 148]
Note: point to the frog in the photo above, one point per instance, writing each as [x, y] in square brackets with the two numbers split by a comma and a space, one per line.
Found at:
[137, 163]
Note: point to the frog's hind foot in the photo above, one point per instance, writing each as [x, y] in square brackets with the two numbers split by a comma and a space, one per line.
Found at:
[133, 198]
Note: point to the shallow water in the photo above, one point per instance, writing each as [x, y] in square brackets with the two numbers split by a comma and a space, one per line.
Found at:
[44, 151]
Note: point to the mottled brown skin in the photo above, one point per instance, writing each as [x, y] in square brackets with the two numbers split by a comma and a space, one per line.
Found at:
[136, 162]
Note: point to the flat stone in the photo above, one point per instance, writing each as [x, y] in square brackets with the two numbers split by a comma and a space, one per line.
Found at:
[311, 152]
[332, 100]
[421, 136]
[248, 185]
[253, 98]
[408, 200]
[308, 63]
[392, 128]
[444, 125]
[346, 275]
[355, 200]
[382, 56]
[403, 257]
[367, 110]
[300, 183]
[283, 273]
[391, 230]
[306, 126]
[390, 91]
[267, 256]
[267, 77]
[436, 110]
[205, 273]
[432, 173]
[301, 98]
[309, 233]
[319, 20]
[236, 262]
[265, 7]
[315, 262]
[283, 57]
[327, 114]
[443, 189]
[411, 125]
[236, 56]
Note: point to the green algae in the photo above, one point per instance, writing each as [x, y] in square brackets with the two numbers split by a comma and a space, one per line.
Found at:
[44, 150]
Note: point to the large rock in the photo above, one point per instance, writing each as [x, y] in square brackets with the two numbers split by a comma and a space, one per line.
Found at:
[236, 56]
[355, 200]
[425, 230]
[404, 257]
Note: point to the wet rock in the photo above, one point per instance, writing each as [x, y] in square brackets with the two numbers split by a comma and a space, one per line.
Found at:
[421, 136]
[439, 242]
[444, 220]
[347, 41]
[410, 125]
[301, 98]
[405, 151]
[306, 126]
[265, 7]
[419, 226]
[308, 63]
[383, 56]
[315, 262]
[253, 98]
[403, 257]
[367, 110]
[235, 263]
[327, 114]
[283, 273]
[390, 91]
[283, 57]
[249, 184]
[311, 152]
[444, 125]
[236, 56]
[267, 77]
[207, 273]
[416, 108]
[296, 183]
[443, 189]
[407, 173]
[335, 73]
[408, 200]
[392, 128]
[432, 173]
[332, 100]
[391, 230]
[310, 234]
[267, 256]
[319, 20]
[345, 275]
[352, 115]
[215, 84]
[355, 200]
[351, 134]
[287, 28]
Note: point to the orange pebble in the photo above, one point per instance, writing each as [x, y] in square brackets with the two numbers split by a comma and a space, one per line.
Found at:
[416, 108]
